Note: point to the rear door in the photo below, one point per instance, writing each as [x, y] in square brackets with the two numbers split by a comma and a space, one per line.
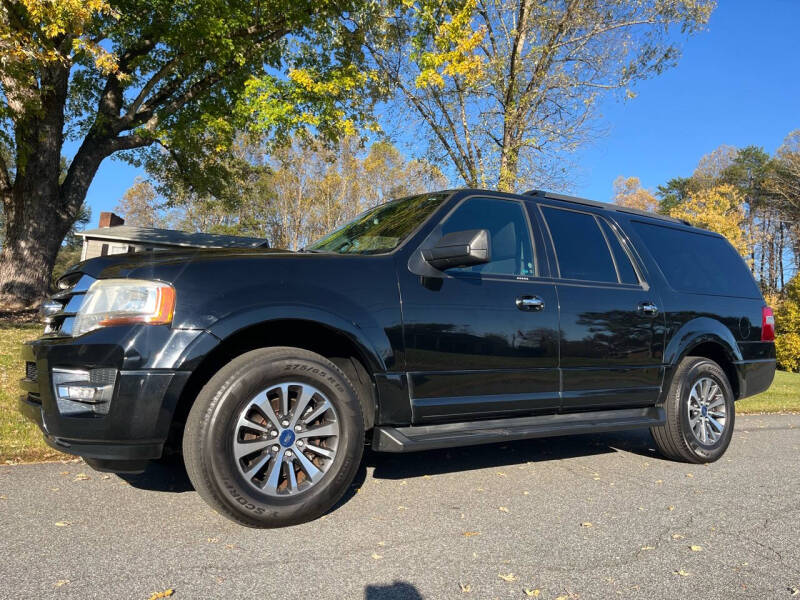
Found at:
[612, 328]
[482, 341]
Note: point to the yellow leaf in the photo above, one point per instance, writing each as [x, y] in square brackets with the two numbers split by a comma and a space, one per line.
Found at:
[61, 582]
[164, 594]
[508, 577]
[586, 524]
[681, 572]
[81, 477]
[465, 587]
[376, 556]
[648, 547]
[532, 593]
[696, 548]
[670, 508]
[471, 533]
[62, 524]
[503, 508]
[677, 536]
[689, 475]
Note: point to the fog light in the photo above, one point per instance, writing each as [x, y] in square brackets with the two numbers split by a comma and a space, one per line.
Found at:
[83, 393]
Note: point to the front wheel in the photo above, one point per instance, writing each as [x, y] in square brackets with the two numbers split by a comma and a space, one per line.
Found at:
[700, 413]
[274, 438]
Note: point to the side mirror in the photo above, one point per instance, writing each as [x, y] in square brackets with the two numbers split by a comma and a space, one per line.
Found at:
[459, 249]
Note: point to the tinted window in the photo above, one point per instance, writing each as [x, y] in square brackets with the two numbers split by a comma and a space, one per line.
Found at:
[512, 253]
[621, 258]
[581, 248]
[381, 229]
[696, 262]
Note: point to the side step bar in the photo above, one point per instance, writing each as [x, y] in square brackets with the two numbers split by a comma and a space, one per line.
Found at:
[429, 437]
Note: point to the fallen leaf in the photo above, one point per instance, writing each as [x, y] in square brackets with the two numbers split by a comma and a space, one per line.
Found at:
[531, 593]
[3, 497]
[212, 540]
[465, 587]
[106, 477]
[677, 536]
[586, 524]
[525, 493]
[793, 591]
[659, 481]
[503, 508]
[426, 476]
[164, 594]
[54, 489]
[61, 582]
[471, 533]
[689, 475]
[401, 507]
[381, 543]
[403, 483]
[696, 548]
[508, 577]
[670, 508]
[81, 477]
[681, 572]
[62, 524]
[564, 597]
[376, 556]
[648, 547]
[501, 474]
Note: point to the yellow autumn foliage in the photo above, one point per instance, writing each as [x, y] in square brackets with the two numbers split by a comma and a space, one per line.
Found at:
[787, 326]
[719, 209]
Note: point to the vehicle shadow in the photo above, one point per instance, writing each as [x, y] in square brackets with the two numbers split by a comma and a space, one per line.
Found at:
[399, 590]
[170, 475]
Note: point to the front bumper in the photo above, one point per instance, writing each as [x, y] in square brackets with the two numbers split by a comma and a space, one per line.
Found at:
[152, 368]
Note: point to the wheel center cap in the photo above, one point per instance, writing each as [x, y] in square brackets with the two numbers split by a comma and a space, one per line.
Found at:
[286, 438]
[704, 411]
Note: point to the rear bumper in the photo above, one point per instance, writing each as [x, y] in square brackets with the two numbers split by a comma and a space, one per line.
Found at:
[755, 376]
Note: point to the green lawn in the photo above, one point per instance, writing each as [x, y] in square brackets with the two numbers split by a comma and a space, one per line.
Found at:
[22, 441]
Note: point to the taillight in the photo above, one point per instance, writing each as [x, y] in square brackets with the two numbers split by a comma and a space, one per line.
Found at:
[767, 325]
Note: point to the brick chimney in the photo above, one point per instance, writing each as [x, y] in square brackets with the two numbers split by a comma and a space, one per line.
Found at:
[109, 219]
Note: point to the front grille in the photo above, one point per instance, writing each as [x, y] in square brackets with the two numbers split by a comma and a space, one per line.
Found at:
[72, 291]
[31, 371]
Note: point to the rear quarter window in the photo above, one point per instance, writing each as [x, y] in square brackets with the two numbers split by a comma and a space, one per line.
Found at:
[697, 262]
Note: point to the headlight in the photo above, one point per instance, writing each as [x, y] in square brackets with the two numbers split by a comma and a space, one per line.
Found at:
[123, 301]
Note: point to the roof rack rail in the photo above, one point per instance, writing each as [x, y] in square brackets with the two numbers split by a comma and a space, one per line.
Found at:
[603, 205]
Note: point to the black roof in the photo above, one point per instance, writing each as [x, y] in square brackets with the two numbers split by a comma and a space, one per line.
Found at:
[171, 237]
[603, 205]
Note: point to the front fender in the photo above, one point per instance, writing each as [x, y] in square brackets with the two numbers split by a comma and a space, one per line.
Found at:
[369, 338]
[699, 331]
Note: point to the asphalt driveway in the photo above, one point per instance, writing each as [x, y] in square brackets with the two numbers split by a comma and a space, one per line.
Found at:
[576, 517]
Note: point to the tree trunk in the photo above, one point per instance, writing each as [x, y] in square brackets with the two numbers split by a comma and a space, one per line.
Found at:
[33, 236]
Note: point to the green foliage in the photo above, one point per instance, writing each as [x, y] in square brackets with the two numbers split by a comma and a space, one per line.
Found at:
[787, 327]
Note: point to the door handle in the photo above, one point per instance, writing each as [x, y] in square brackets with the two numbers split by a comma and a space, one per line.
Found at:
[648, 308]
[532, 303]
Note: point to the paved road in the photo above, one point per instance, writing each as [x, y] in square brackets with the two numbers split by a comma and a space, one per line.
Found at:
[579, 517]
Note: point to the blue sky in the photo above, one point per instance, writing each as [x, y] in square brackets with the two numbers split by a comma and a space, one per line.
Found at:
[737, 83]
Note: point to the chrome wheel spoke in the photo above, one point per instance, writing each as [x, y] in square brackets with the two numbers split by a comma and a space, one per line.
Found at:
[716, 424]
[310, 470]
[321, 451]
[271, 484]
[321, 409]
[302, 402]
[242, 449]
[717, 401]
[284, 399]
[326, 430]
[292, 476]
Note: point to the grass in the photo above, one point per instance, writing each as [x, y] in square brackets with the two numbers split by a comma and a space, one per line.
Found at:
[21, 441]
[782, 396]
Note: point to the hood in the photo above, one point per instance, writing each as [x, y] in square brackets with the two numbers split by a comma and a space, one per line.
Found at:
[145, 264]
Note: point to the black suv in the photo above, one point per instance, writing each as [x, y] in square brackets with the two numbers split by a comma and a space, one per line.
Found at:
[444, 319]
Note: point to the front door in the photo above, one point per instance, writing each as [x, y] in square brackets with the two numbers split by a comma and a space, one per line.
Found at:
[482, 341]
[612, 332]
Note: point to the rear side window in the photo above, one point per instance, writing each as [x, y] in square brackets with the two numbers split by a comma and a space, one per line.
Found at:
[697, 262]
[581, 248]
[624, 267]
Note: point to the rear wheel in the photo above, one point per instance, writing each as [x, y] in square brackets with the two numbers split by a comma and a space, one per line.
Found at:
[700, 413]
[274, 438]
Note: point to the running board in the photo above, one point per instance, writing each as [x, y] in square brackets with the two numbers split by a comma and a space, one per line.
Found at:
[429, 437]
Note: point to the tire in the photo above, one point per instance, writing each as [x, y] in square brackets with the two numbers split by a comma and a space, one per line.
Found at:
[678, 439]
[232, 415]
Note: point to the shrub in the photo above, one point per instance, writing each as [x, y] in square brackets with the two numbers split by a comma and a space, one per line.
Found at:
[787, 327]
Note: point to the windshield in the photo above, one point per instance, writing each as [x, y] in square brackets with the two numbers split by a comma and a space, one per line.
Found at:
[381, 229]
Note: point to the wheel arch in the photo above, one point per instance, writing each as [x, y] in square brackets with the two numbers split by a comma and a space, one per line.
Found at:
[336, 342]
[707, 338]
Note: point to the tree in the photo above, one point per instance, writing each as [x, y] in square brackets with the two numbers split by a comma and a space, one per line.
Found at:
[628, 191]
[123, 75]
[717, 209]
[504, 87]
[139, 205]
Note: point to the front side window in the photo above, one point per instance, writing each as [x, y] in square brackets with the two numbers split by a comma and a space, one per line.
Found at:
[582, 251]
[381, 229]
[511, 249]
